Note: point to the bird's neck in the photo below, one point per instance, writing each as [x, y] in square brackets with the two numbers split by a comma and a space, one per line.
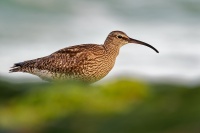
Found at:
[111, 49]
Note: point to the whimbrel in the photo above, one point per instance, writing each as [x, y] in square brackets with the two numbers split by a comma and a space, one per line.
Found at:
[85, 62]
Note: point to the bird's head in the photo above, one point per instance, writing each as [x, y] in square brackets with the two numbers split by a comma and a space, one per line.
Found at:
[119, 38]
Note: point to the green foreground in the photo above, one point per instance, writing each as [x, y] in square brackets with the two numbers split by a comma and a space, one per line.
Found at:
[123, 106]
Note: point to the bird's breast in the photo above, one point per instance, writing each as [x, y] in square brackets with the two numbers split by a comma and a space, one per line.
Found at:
[97, 68]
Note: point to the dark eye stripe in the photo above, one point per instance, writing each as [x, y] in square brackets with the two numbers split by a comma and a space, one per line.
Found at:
[119, 36]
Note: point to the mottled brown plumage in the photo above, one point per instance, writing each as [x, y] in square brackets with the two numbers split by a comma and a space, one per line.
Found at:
[86, 62]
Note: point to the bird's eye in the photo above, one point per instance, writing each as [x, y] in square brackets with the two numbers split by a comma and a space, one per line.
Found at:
[119, 36]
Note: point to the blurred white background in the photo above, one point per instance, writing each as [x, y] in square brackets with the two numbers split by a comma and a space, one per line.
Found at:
[31, 29]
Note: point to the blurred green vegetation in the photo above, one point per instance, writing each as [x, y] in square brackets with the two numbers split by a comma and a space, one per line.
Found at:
[121, 106]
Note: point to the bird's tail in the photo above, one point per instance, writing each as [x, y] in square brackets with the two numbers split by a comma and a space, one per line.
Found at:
[25, 66]
[17, 67]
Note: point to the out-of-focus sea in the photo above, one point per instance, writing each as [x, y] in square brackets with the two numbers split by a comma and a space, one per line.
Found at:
[33, 28]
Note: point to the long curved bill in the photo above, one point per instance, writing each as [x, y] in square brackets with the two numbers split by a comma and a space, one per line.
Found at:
[142, 43]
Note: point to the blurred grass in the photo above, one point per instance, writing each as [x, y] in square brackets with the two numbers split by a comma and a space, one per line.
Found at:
[121, 106]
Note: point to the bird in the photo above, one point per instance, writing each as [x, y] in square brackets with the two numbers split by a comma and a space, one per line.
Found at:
[85, 62]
